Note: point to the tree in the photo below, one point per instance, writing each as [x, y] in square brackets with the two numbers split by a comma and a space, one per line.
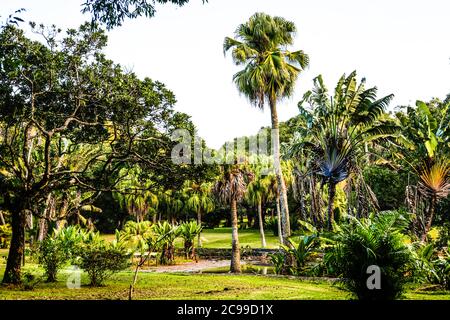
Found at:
[199, 199]
[114, 13]
[341, 126]
[62, 98]
[230, 189]
[424, 146]
[269, 75]
[257, 190]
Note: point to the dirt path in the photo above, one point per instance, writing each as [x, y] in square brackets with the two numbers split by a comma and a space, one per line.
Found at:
[189, 266]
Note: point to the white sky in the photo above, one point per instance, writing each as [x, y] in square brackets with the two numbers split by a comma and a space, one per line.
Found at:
[401, 46]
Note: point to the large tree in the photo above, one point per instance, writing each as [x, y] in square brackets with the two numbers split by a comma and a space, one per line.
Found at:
[269, 75]
[339, 129]
[230, 189]
[72, 119]
[113, 13]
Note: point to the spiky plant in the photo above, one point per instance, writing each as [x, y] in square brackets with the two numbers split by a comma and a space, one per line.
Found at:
[188, 231]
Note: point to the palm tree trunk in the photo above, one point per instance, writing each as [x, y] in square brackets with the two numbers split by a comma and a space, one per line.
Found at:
[429, 218]
[261, 225]
[2, 219]
[235, 249]
[331, 195]
[280, 236]
[286, 232]
[199, 221]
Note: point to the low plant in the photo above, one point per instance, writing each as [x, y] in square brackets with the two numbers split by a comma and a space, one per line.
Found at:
[302, 252]
[58, 249]
[189, 231]
[101, 260]
[375, 241]
[168, 233]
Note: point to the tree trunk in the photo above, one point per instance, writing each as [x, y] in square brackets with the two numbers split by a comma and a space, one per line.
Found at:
[261, 225]
[331, 194]
[235, 254]
[199, 221]
[16, 251]
[429, 218]
[280, 236]
[285, 225]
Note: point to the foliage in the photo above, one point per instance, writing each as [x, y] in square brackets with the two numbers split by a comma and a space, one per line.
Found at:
[278, 259]
[101, 260]
[167, 233]
[302, 252]
[137, 235]
[188, 232]
[114, 13]
[59, 248]
[5, 235]
[377, 240]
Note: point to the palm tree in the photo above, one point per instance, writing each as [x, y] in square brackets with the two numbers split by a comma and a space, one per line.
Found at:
[199, 200]
[341, 127]
[269, 75]
[256, 192]
[230, 189]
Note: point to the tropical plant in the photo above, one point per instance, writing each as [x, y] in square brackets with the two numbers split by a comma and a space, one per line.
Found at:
[375, 241]
[59, 248]
[230, 189]
[302, 252]
[424, 146]
[168, 232]
[340, 129]
[101, 260]
[199, 200]
[269, 75]
[137, 235]
[188, 231]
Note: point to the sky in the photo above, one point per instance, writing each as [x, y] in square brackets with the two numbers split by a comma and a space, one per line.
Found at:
[402, 47]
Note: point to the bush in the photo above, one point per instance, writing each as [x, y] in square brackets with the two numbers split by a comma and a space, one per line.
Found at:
[302, 253]
[52, 257]
[58, 249]
[377, 241]
[272, 224]
[100, 260]
[5, 235]
[166, 233]
[188, 231]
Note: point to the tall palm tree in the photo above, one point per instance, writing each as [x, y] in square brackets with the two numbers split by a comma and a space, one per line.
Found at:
[230, 189]
[341, 126]
[269, 75]
[199, 200]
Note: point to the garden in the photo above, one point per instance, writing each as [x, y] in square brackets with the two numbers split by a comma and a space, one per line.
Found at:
[102, 195]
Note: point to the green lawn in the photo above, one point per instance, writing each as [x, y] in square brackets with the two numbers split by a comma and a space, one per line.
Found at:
[192, 287]
[221, 238]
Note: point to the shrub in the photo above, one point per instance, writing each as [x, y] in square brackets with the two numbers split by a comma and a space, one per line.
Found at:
[100, 260]
[166, 234]
[302, 252]
[52, 257]
[431, 267]
[278, 259]
[377, 241]
[188, 231]
[5, 235]
[58, 249]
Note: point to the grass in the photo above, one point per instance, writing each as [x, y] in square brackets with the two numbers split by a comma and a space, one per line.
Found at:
[194, 287]
[221, 238]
